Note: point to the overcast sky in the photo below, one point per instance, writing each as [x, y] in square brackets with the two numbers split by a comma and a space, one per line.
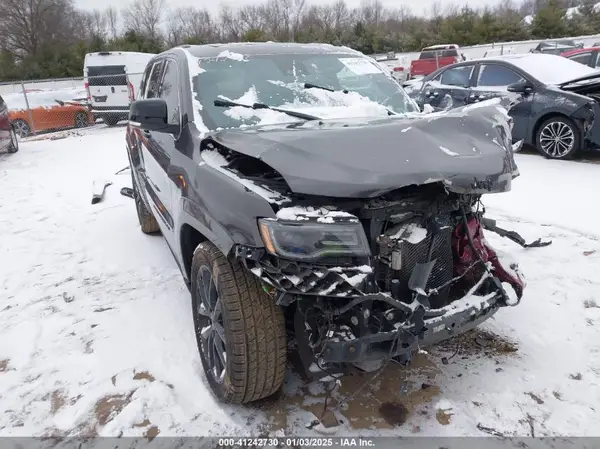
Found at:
[417, 6]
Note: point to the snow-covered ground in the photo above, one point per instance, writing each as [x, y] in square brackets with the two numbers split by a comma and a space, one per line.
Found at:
[96, 333]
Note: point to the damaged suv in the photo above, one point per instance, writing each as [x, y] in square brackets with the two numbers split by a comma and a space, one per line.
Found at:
[312, 207]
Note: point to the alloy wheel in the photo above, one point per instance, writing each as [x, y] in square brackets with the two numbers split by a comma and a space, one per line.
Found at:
[210, 324]
[557, 139]
[21, 128]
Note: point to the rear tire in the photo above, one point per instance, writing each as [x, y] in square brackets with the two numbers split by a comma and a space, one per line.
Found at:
[244, 323]
[13, 146]
[111, 120]
[21, 128]
[81, 120]
[558, 138]
[147, 221]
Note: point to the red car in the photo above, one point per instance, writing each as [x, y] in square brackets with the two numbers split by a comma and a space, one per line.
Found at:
[434, 57]
[8, 138]
[585, 56]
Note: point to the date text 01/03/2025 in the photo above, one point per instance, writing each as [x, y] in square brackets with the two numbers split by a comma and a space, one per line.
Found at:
[295, 442]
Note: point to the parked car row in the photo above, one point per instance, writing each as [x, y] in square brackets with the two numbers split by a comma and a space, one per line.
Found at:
[111, 82]
[555, 98]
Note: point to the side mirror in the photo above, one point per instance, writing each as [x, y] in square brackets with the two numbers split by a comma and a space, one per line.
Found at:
[151, 115]
[522, 87]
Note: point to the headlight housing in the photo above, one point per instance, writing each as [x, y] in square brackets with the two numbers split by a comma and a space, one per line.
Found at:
[310, 240]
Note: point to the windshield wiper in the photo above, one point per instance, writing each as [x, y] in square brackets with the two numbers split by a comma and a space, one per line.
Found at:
[230, 104]
[344, 91]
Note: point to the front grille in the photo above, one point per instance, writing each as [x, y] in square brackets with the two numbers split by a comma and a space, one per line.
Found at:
[443, 269]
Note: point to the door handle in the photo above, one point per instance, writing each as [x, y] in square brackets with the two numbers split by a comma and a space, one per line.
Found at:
[146, 133]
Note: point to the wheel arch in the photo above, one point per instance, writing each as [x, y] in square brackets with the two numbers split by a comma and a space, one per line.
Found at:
[192, 233]
[189, 239]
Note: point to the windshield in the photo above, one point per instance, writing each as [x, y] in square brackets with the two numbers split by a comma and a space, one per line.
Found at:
[278, 81]
[551, 69]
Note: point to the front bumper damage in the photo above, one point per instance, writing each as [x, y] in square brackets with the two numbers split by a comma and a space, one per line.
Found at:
[428, 277]
[425, 327]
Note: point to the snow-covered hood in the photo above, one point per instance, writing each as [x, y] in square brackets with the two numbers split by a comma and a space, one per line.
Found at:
[587, 81]
[468, 149]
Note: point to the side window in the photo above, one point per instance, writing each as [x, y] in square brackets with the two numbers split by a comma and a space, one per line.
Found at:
[169, 91]
[154, 80]
[582, 58]
[456, 76]
[145, 79]
[492, 75]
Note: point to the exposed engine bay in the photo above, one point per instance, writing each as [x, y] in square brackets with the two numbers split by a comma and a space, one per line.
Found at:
[415, 269]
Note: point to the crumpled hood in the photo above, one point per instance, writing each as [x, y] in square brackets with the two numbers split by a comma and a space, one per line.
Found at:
[468, 149]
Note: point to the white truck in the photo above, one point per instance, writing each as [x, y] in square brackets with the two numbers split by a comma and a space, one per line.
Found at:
[111, 80]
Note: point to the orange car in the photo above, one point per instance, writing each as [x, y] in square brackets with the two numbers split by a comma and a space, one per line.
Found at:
[46, 113]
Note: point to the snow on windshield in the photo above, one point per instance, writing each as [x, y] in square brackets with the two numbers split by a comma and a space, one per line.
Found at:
[317, 102]
[354, 86]
[551, 69]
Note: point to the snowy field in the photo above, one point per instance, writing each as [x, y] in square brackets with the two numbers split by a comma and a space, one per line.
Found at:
[96, 330]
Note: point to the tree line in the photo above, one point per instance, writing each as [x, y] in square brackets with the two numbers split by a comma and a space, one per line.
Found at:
[49, 38]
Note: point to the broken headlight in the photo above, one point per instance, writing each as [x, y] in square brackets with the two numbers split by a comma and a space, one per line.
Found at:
[312, 240]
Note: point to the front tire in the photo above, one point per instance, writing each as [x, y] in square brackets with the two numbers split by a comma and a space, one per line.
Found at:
[13, 146]
[558, 138]
[147, 221]
[240, 331]
[21, 128]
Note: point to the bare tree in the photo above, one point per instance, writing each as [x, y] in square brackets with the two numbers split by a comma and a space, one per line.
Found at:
[112, 21]
[341, 15]
[145, 17]
[252, 17]
[189, 23]
[230, 23]
[27, 25]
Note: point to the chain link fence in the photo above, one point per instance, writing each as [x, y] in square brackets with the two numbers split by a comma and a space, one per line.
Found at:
[43, 106]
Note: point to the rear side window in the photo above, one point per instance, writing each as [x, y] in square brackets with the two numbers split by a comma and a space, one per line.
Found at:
[107, 75]
[583, 58]
[430, 54]
[456, 76]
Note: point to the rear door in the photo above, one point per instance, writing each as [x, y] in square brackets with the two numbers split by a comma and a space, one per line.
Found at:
[108, 85]
[492, 80]
[4, 124]
[451, 87]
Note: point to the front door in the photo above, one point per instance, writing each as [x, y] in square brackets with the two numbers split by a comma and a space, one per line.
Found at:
[160, 146]
[450, 88]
